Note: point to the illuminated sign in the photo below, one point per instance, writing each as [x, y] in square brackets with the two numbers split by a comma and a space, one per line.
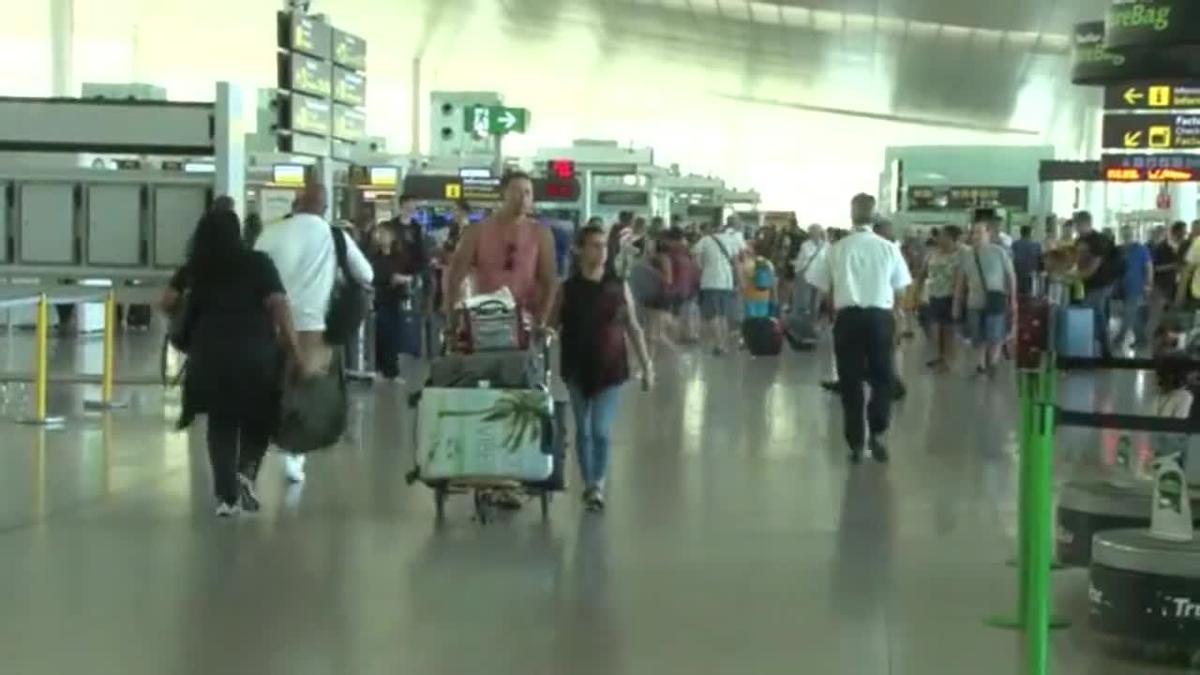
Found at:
[304, 34]
[288, 174]
[1152, 23]
[957, 198]
[1162, 131]
[1166, 168]
[1153, 95]
[494, 120]
[563, 169]
[349, 124]
[307, 115]
[623, 198]
[481, 189]
[349, 50]
[349, 87]
[304, 74]
[555, 190]
[384, 176]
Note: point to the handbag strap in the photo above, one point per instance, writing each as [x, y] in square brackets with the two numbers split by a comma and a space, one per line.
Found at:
[982, 278]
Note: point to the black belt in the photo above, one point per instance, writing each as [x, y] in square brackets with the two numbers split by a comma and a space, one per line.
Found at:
[856, 308]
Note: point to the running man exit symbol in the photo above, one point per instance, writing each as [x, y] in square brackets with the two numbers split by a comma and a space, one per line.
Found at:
[1160, 97]
[1160, 136]
[1133, 139]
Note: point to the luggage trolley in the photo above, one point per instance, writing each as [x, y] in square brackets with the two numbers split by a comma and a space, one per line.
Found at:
[486, 425]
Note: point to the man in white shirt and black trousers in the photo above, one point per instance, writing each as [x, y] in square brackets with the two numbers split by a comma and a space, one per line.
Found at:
[864, 274]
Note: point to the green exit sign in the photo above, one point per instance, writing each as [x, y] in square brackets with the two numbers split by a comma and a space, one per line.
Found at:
[494, 120]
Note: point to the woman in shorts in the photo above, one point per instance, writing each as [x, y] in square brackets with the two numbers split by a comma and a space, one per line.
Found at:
[940, 271]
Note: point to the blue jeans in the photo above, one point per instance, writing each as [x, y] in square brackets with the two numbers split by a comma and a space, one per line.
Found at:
[1133, 318]
[1099, 300]
[594, 416]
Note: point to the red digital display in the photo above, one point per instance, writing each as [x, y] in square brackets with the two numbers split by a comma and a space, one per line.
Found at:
[562, 169]
[1119, 174]
[555, 190]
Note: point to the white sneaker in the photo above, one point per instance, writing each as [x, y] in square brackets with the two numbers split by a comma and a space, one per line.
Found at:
[228, 510]
[293, 468]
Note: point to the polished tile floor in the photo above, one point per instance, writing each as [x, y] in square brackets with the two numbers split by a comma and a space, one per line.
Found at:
[737, 541]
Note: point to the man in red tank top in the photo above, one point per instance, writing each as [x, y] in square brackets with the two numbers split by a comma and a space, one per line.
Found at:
[510, 249]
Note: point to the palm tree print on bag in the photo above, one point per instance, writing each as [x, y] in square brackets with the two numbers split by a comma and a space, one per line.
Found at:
[523, 413]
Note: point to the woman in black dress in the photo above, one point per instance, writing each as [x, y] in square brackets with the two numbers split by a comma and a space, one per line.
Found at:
[236, 318]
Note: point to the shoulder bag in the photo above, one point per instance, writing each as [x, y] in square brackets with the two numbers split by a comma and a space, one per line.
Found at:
[349, 302]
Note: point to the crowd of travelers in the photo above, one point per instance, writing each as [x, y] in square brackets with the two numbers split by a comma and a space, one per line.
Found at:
[265, 313]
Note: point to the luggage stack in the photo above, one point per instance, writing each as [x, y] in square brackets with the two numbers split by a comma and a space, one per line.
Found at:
[485, 426]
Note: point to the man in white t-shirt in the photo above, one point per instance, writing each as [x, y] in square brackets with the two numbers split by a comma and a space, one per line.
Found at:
[302, 249]
[716, 254]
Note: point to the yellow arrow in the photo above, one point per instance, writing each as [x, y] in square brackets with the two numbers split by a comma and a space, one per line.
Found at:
[1132, 96]
[1133, 139]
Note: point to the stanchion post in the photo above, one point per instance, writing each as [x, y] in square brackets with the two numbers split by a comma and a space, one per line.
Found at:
[1041, 524]
[108, 372]
[110, 322]
[41, 359]
[41, 367]
[1027, 390]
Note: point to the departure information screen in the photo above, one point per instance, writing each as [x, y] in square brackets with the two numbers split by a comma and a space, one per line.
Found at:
[349, 87]
[305, 34]
[306, 74]
[349, 124]
[309, 115]
[349, 50]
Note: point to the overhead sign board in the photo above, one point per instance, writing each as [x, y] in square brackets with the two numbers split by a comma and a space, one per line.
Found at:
[1157, 132]
[306, 115]
[349, 124]
[305, 74]
[961, 197]
[1053, 170]
[494, 120]
[623, 198]
[1153, 95]
[349, 51]
[306, 34]
[1159, 168]
[1093, 62]
[349, 87]
[1132, 24]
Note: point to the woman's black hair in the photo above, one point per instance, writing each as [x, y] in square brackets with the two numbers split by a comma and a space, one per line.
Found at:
[217, 245]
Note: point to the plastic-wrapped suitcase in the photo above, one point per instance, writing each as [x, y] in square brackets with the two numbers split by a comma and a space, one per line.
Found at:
[477, 433]
[485, 423]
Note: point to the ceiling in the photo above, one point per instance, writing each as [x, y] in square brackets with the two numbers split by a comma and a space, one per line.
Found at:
[968, 63]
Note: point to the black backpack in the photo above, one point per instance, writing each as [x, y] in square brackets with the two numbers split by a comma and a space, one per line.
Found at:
[349, 303]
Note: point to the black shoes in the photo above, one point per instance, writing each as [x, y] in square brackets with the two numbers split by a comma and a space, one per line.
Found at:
[856, 455]
[247, 496]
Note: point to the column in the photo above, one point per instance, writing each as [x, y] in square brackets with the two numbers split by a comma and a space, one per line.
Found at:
[230, 144]
[62, 42]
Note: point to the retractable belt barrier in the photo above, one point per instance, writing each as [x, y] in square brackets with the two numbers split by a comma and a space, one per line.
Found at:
[14, 298]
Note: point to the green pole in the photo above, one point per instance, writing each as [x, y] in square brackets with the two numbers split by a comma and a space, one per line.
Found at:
[1027, 391]
[1041, 522]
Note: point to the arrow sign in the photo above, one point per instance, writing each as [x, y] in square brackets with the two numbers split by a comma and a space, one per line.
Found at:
[494, 120]
[1133, 139]
[1132, 96]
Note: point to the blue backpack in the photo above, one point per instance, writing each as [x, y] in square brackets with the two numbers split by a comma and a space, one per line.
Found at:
[764, 275]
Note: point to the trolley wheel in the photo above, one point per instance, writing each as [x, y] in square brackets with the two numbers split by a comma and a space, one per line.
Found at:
[439, 501]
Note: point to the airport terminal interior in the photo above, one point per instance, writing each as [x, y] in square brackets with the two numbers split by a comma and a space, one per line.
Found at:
[524, 180]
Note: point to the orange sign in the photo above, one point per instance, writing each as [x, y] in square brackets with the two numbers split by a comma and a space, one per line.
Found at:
[1129, 174]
